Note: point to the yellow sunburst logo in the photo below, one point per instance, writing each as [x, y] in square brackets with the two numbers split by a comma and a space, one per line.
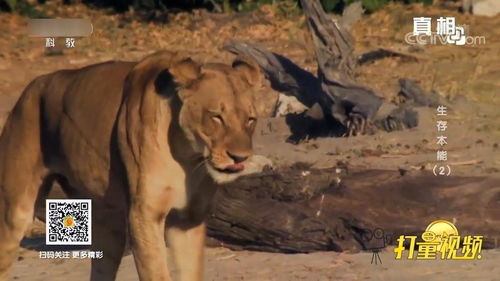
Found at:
[69, 221]
[438, 230]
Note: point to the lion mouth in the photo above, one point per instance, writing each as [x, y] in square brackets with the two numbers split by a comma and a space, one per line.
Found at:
[231, 169]
[225, 174]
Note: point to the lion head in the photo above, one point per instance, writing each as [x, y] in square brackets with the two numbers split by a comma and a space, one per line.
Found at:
[217, 113]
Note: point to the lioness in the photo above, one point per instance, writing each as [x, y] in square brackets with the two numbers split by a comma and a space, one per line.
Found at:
[147, 141]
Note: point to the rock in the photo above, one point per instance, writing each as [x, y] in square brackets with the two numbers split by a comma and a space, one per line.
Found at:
[486, 7]
[287, 105]
[466, 6]
[352, 14]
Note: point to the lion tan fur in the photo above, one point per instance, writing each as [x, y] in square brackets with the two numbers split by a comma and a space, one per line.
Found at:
[147, 141]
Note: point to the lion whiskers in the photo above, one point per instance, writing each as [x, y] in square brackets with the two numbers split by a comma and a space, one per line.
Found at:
[200, 164]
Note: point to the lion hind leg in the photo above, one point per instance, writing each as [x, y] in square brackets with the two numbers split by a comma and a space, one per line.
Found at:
[16, 215]
[21, 174]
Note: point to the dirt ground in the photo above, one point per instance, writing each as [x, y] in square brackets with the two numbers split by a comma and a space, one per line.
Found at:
[469, 72]
[223, 264]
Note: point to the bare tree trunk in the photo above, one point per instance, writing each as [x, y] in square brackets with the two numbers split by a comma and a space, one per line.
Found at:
[334, 44]
[353, 105]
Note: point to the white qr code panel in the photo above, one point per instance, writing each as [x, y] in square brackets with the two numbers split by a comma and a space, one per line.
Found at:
[68, 222]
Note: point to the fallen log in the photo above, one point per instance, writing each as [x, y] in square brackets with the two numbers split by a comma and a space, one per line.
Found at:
[299, 209]
[381, 53]
[411, 93]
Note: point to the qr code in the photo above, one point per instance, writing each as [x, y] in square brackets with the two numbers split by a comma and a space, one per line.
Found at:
[68, 222]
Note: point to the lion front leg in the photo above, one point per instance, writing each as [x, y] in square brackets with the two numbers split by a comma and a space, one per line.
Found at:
[147, 232]
[187, 243]
[186, 231]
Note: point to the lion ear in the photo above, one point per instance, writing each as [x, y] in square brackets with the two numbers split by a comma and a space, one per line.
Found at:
[185, 71]
[180, 73]
[248, 69]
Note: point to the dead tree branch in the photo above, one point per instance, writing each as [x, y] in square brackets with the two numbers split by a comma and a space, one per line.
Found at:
[353, 105]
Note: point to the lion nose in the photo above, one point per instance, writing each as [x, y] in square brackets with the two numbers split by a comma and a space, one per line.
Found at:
[237, 158]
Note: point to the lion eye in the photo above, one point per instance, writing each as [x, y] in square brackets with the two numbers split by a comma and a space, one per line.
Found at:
[218, 119]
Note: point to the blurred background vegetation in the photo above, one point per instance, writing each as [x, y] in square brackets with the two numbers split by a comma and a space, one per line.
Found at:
[226, 6]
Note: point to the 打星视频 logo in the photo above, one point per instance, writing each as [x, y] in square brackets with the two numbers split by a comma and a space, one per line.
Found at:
[440, 240]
